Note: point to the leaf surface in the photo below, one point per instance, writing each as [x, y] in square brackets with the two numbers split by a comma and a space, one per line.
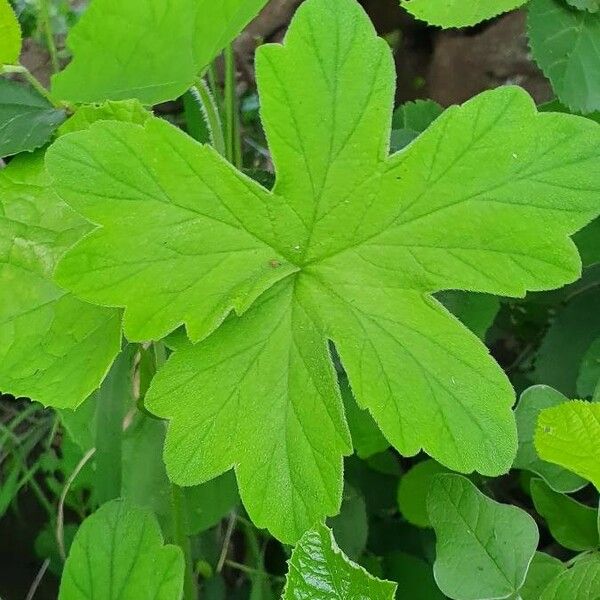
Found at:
[54, 348]
[532, 401]
[580, 582]
[118, 552]
[151, 51]
[589, 5]
[27, 120]
[569, 435]
[351, 244]
[564, 44]
[542, 570]
[459, 13]
[319, 570]
[10, 35]
[483, 548]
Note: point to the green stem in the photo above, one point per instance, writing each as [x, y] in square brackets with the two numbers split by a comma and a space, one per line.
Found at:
[49, 34]
[190, 588]
[35, 84]
[231, 120]
[110, 411]
[208, 106]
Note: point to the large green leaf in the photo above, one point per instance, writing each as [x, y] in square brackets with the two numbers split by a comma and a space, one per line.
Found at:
[580, 582]
[564, 43]
[118, 552]
[483, 548]
[569, 435]
[459, 13]
[572, 525]
[27, 120]
[352, 244]
[10, 35]
[318, 570]
[54, 348]
[531, 402]
[151, 51]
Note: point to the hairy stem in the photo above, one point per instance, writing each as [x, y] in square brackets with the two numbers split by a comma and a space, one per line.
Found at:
[208, 105]
[46, 23]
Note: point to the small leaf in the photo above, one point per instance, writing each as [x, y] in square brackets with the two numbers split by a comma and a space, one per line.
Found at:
[542, 570]
[150, 51]
[411, 119]
[532, 401]
[589, 5]
[27, 120]
[413, 490]
[459, 13]
[588, 381]
[318, 570]
[10, 35]
[54, 348]
[483, 548]
[564, 44]
[127, 111]
[572, 525]
[580, 582]
[569, 435]
[119, 552]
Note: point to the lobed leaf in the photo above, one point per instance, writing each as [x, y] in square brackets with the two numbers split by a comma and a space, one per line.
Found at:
[459, 13]
[318, 570]
[350, 245]
[151, 51]
[483, 548]
[569, 435]
[118, 552]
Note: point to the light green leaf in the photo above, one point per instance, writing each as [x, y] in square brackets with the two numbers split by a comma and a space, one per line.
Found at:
[542, 570]
[128, 111]
[54, 348]
[485, 201]
[27, 120]
[532, 401]
[118, 552]
[589, 5]
[459, 13]
[10, 35]
[413, 490]
[589, 373]
[572, 525]
[580, 582]
[318, 570]
[569, 435]
[151, 51]
[564, 44]
[483, 548]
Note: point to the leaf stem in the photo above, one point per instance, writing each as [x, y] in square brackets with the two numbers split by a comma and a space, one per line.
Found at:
[35, 84]
[208, 105]
[110, 412]
[190, 589]
[46, 23]
[232, 142]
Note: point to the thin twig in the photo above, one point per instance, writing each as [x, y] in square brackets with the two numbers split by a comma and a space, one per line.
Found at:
[38, 578]
[226, 541]
[60, 519]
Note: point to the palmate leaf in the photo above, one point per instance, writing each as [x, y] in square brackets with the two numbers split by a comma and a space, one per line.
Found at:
[54, 348]
[319, 570]
[459, 13]
[350, 245]
[149, 50]
[118, 552]
[10, 35]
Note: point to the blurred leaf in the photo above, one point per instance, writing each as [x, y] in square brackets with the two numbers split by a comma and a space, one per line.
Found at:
[476, 311]
[318, 570]
[127, 111]
[350, 527]
[589, 5]
[120, 547]
[531, 402]
[572, 525]
[483, 548]
[413, 490]
[589, 372]
[569, 435]
[413, 575]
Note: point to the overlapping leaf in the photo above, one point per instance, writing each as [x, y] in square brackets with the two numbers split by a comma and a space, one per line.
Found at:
[350, 242]
[569, 435]
[318, 570]
[459, 13]
[118, 552]
[564, 43]
[53, 347]
[10, 35]
[151, 50]
[580, 582]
